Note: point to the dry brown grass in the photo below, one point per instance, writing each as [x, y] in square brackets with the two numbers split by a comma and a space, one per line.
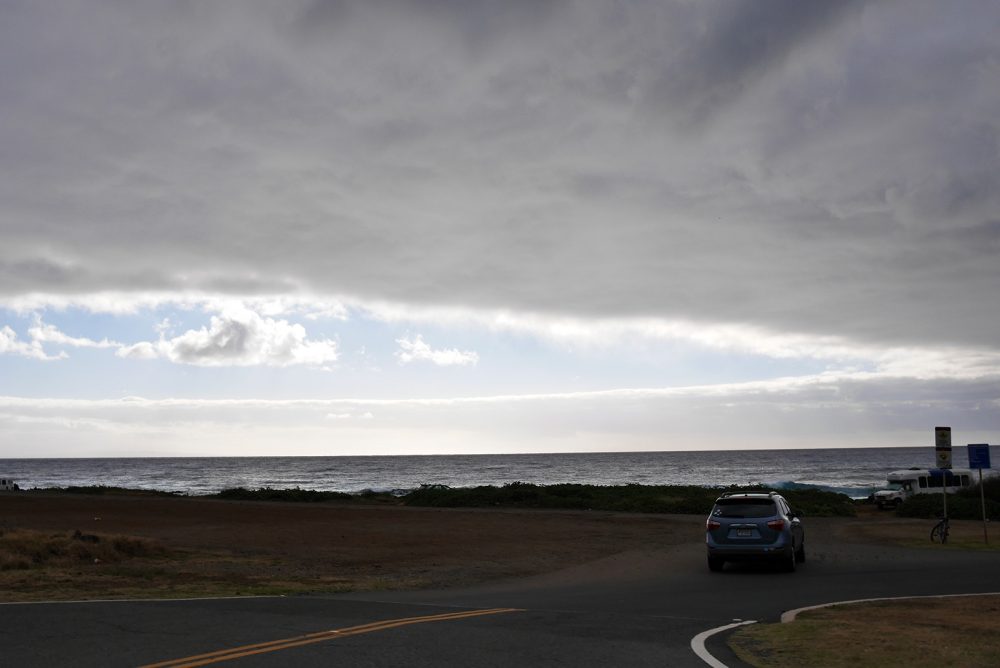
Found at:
[882, 527]
[22, 549]
[918, 633]
[45, 565]
[216, 548]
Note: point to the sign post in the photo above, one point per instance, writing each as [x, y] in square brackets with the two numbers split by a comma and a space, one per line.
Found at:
[979, 458]
[942, 455]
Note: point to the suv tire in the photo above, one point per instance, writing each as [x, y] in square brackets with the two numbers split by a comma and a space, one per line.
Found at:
[715, 564]
[789, 565]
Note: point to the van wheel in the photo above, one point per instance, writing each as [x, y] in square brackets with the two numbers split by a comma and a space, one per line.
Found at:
[715, 564]
[898, 502]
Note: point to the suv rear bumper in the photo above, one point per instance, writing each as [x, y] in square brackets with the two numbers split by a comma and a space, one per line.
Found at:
[777, 550]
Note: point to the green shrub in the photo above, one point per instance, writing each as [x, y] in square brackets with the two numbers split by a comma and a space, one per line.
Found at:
[682, 499]
[268, 494]
[966, 504]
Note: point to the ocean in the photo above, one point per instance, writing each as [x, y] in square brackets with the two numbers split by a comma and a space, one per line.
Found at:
[854, 471]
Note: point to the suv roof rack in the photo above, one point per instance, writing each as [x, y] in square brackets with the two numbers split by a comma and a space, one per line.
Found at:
[748, 493]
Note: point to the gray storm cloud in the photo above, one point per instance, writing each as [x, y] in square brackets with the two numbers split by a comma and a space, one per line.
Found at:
[826, 168]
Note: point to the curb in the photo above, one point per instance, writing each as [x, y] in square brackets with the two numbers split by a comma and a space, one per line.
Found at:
[144, 600]
[790, 615]
[698, 642]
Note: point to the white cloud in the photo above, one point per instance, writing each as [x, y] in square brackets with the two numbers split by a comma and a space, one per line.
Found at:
[416, 350]
[309, 305]
[11, 345]
[112, 302]
[240, 337]
[144, 350]
[926, 361]
[236, 337]
[920, 361]
[43, 333]
[367, 415]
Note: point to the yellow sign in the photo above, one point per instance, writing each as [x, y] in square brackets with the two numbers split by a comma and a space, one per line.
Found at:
[943, 458]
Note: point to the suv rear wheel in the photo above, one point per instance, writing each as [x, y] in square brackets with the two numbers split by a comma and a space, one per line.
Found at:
[715, 564]
[789, 565]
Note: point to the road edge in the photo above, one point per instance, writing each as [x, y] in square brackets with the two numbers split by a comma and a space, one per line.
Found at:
[143, 600]
[698, 642]
[790, 615]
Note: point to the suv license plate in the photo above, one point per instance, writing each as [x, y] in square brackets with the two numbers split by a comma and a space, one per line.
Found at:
[743, 533]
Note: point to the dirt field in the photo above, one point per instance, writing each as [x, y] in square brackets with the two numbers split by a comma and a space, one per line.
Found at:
[204, 546]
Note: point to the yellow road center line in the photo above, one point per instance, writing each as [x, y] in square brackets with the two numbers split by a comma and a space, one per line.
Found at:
[321, 636]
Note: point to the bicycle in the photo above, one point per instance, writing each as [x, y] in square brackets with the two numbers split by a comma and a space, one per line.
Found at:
[939, 534]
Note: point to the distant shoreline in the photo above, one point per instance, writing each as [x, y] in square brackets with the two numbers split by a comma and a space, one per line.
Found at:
[854, 472]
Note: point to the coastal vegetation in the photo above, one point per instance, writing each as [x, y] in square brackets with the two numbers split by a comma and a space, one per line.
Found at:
[295, 494]
[966, 504]
[682, 499]
[679, 499]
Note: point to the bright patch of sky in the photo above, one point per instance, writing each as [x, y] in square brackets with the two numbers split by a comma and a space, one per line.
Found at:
[94, 356]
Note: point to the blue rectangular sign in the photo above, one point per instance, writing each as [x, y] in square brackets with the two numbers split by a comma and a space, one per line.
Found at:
[979, 455]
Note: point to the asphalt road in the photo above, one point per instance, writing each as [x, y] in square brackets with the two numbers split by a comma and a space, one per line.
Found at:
[635, 609]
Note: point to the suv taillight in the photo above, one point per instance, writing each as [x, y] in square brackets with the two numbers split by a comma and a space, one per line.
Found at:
[712, 524]
[777, 525]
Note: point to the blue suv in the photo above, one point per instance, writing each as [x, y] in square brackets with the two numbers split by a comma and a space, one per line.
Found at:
[754, 526]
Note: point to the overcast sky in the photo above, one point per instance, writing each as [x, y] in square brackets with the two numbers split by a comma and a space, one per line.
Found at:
[420, 226]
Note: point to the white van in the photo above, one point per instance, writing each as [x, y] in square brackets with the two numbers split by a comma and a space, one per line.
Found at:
[903, 484]
[7, 485]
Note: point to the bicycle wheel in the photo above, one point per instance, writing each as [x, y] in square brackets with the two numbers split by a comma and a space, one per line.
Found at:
[938, 533]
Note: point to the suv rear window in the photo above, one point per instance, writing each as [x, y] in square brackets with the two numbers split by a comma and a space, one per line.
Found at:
[744, 508]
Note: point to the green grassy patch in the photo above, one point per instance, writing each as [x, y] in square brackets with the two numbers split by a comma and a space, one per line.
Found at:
[924, 633]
